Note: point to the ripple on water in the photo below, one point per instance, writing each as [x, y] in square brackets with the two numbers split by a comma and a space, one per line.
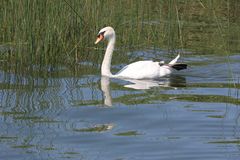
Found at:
[192, 115]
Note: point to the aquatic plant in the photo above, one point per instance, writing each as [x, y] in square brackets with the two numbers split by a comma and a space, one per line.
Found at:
[52, 32]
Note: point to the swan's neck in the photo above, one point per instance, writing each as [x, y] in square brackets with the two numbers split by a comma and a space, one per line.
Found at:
[106, 64]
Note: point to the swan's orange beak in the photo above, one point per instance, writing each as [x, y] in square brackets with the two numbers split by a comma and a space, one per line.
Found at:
[100, 37]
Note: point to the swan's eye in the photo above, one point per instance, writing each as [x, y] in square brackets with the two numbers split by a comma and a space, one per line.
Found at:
[101, 34]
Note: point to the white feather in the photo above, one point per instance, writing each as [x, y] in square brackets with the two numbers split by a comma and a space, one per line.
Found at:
[175, 59]
[144, 70]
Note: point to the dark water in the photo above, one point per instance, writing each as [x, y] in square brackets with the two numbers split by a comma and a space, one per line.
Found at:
[193, 114]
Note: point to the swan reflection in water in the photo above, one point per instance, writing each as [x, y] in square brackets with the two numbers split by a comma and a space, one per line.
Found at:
[105, 87]
[167, 82]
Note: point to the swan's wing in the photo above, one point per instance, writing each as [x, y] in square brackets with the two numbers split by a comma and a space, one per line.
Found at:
[140, 70]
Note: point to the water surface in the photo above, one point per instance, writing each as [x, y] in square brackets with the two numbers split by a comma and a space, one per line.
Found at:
[193, 114]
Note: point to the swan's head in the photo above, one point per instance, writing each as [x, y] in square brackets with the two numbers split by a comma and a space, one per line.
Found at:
[105, 33]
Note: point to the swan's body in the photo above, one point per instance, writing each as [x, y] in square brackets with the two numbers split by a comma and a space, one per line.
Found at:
[144, 70]
[136, 70]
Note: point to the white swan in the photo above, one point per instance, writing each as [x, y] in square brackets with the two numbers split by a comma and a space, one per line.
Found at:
[136, 70]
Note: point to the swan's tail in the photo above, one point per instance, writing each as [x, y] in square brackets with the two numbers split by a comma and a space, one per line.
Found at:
[177, 66]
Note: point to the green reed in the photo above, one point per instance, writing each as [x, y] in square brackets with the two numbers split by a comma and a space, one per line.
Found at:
[43, 32]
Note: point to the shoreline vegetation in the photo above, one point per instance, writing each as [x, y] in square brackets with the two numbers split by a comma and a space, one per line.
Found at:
[53, 32]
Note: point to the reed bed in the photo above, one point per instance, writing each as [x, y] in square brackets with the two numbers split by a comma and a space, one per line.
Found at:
[62, 32]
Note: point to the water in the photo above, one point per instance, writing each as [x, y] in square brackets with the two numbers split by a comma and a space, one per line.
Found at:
[193, 114]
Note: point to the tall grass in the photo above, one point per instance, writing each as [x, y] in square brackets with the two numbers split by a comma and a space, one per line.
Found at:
[43, 32]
